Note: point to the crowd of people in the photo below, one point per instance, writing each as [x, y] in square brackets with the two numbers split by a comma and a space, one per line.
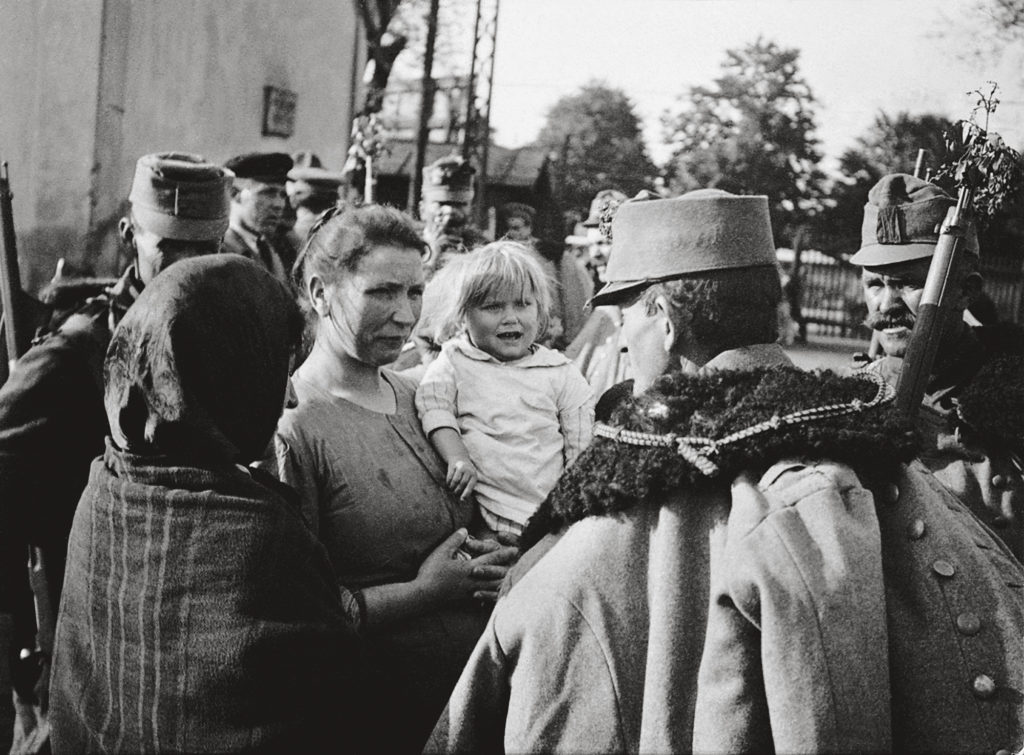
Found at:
[316, 476]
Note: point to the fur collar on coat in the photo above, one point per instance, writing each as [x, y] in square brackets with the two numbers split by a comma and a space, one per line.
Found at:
[611, 476]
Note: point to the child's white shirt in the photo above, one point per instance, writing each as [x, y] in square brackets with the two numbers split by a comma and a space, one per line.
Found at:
[523, 422]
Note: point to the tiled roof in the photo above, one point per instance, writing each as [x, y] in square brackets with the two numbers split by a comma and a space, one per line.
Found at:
[509, 167]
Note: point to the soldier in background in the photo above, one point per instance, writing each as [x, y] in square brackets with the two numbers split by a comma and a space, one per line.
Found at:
[571, 287]
[599, 349]
[604, 202]
[52, 420]
[311, 189]
[974, 402]
[259, 205]
[445, 209]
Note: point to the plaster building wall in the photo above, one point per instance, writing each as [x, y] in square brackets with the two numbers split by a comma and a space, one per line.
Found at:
[97, 83]
[47, 111]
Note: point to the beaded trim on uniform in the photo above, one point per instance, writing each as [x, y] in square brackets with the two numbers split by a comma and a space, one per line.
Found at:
[697, 450]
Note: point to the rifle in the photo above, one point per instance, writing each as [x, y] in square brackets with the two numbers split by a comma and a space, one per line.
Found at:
[10, 277]
[34, 662]
[987, 174]
[937, 309]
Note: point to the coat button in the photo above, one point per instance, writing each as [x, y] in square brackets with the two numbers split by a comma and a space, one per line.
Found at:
[943, 568]
[968, 623]
[1003, 752]
[984, 686]
[1000, 522]
[892, 493]
[915, 530]
[999, 481]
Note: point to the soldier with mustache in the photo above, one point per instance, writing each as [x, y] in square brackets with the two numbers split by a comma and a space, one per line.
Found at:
[973, 408]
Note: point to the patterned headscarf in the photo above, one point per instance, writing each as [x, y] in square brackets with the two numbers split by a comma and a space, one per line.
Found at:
[197, 368]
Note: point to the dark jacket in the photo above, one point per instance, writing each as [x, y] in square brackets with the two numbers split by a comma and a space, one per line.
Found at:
[971, 420]
[52, 425]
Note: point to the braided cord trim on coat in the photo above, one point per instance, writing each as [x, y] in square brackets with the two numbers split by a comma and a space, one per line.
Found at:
[697, 450]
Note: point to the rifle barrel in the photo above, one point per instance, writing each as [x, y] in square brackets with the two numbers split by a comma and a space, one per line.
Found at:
[10, 278]
[937, 309]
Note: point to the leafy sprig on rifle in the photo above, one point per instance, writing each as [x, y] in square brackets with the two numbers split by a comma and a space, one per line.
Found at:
[979, 160]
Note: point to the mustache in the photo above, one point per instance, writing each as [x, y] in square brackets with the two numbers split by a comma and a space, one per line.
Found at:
[899, 319]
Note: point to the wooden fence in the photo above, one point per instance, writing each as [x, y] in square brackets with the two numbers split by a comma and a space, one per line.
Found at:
[832, 302]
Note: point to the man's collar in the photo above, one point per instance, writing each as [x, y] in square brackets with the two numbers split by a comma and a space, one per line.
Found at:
[249, 237]
[748, 358]
[538, 356]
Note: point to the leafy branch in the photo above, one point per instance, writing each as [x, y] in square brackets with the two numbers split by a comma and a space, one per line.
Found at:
[981, 162]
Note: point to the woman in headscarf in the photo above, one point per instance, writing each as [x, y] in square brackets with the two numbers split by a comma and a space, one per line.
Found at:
[199, 611]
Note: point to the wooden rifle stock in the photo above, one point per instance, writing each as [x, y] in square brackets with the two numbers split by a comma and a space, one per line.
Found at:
[937, 309]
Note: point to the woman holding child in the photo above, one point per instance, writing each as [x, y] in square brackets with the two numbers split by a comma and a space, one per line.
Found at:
[372, 487]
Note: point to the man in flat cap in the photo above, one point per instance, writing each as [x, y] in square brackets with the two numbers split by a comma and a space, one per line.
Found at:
[259, 205]
[974, 404]
[743, 559]
[52, 420]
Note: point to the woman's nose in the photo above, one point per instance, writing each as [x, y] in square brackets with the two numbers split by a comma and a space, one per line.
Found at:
[405, 313]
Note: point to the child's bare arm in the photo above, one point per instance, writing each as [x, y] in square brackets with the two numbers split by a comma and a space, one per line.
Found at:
[461, 471]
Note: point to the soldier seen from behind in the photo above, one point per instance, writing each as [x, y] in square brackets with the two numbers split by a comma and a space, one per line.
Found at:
[52, 421]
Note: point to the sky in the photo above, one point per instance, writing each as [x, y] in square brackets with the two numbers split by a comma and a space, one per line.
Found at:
[858, 57]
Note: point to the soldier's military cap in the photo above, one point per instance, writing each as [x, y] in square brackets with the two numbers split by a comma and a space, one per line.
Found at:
[177, 195]
[265, 167]
[602, 200]
[449, 179]
[903, 220]
[518, 210]
[656, 239]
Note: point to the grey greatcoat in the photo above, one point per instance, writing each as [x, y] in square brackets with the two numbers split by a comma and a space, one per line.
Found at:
[792, 611]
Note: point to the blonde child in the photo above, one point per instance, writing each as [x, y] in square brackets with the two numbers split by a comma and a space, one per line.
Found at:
[505, 413]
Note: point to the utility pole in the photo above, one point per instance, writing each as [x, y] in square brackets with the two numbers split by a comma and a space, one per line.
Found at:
[426, 110]
[480, 89]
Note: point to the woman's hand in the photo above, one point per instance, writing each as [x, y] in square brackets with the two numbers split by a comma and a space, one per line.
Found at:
[490, 567]
[460, 568]
[445, 575]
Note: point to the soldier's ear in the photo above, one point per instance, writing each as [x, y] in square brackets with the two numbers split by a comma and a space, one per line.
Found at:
[125, 231]
[316, 289]
[673, 322]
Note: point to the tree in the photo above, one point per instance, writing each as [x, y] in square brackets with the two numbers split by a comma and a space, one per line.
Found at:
[1003, 20]
[890, 145]
[453, 46]
[597, 140]
[751, 132]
